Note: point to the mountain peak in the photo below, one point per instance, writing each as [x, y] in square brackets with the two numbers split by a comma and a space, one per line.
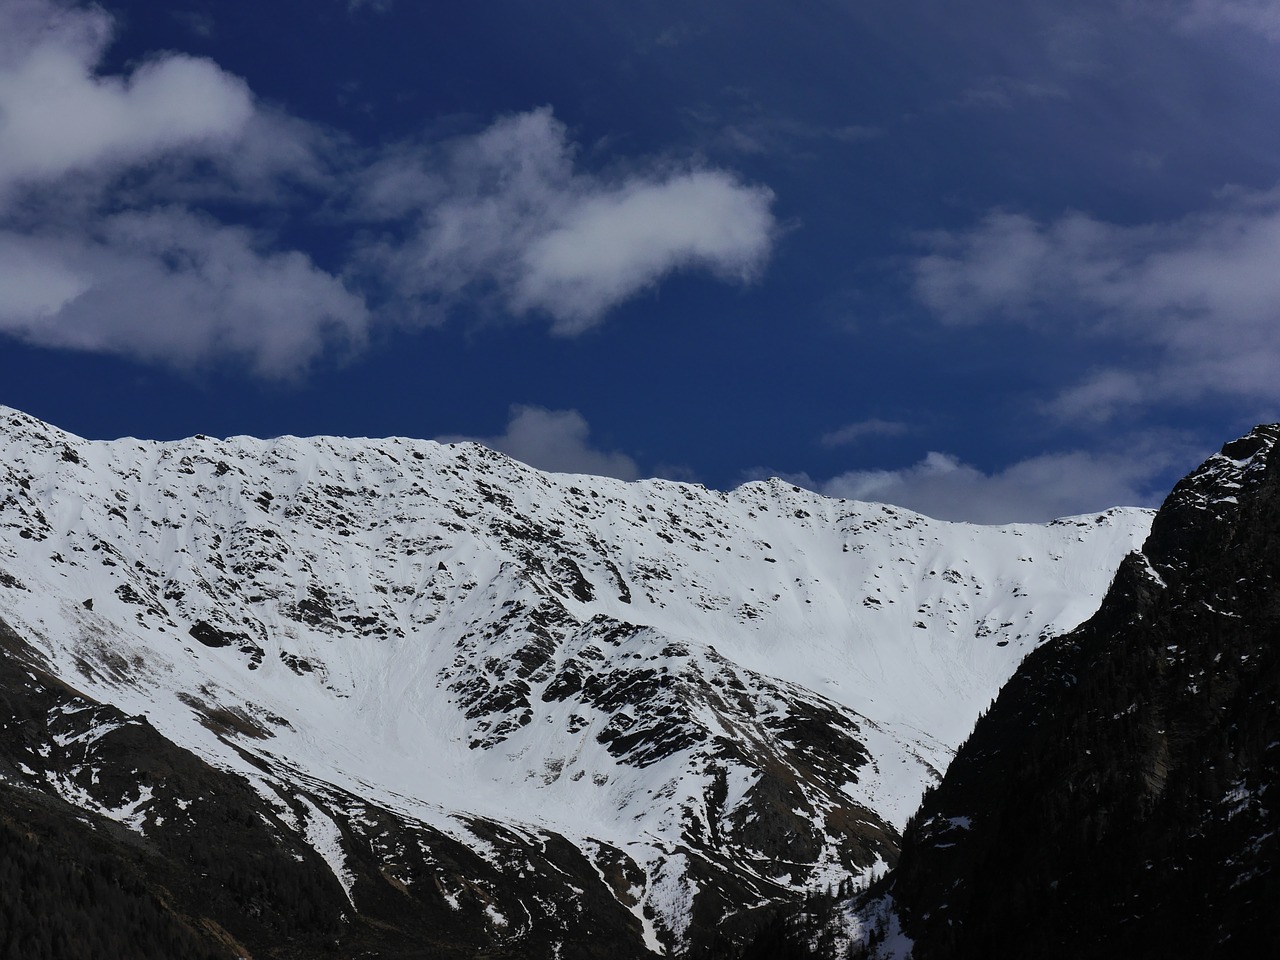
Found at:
[1110, 803]
[1241, 464]
[709, 698]
[1208, 511]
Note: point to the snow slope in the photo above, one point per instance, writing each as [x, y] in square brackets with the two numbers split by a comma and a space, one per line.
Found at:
[758, 683]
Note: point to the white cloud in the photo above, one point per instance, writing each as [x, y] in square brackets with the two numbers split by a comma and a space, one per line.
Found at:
[1033, 490]
[109, 240]
[35, 282]
[1005, 266]
[554, 440]
[168, 118]
[620, 241]
[88, 264]
[60, 117]
[505, 216]
[853, 432]
[274, 157]
[172, 286]
[1101, 394]
[1199, 298]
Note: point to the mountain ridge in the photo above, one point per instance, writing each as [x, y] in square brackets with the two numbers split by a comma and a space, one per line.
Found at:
[717, 699]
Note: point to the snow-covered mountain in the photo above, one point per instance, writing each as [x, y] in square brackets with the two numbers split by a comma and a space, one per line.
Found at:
[683, 701]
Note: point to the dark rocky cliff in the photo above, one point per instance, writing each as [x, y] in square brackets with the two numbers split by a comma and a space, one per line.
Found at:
[1121, 798]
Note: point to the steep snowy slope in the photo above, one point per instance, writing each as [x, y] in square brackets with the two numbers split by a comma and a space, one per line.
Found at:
[717, 697]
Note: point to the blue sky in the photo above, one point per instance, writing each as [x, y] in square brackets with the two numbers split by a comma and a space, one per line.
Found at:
[1003, 261]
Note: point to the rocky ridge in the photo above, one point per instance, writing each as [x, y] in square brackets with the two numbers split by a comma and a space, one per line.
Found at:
[534, 705]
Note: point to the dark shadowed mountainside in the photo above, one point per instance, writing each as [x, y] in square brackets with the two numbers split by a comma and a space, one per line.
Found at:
[1120, 797]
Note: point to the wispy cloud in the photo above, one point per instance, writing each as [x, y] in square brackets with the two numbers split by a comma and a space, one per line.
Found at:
[554, 440]
[1200, 296]
[199, 22]
[678, 34]
[1260, 16]
[750, 128]
[784, 137]
[506, 216]
[1005, 92]
[851, 433]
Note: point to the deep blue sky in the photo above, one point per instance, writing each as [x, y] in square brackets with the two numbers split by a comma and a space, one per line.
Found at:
[997, 261]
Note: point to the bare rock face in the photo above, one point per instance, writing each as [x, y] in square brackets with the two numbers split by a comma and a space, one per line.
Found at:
[464, 707]
[1118, 799]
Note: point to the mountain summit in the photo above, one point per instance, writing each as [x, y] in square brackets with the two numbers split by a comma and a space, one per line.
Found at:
[408, 697]
[1119, 798]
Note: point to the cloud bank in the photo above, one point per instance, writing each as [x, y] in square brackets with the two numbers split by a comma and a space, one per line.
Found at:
[1029, 491]
[1196, 302]
[1034, 490]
